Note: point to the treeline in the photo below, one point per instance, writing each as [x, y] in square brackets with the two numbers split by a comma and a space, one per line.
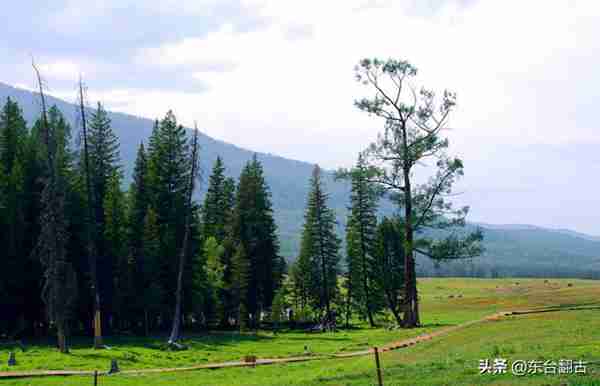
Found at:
[235, 276]
[79, 248]
[234, 269]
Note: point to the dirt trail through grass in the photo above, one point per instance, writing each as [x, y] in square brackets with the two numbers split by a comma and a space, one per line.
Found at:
[270, 361]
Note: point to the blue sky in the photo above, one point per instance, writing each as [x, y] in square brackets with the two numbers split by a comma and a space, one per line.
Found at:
[276, 76]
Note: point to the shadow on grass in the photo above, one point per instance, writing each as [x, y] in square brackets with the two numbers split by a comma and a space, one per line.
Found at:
[435, 325]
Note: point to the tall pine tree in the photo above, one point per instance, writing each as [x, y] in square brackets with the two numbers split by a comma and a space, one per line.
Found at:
[13, 206]
[320, 245]
[168, 176]
[360, 241]
[254, 228]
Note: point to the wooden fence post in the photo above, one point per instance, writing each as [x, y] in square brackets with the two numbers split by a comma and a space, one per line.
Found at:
[379, 377]
[95, 377]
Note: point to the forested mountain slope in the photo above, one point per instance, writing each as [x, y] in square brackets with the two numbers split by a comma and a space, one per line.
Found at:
[510, 249]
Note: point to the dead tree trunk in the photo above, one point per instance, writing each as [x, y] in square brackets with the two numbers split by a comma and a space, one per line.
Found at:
[175, 328]
[91, 228]
[51, 245]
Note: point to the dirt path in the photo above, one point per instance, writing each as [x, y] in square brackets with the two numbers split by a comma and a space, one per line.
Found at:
[266, 361]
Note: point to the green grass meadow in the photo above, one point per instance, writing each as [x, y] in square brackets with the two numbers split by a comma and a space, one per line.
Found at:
[451, 359]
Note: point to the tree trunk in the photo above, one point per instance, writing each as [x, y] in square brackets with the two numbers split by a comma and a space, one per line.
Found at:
[348, 303]
[91, 228]
[178, 297]
[393, 306]
[98, 343]
[175, 328]
[62, 338]
[146, 332]
[411, 311]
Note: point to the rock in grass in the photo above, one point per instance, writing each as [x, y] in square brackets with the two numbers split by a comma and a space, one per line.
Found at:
[114, 367]
[175, 346]
[12, 360]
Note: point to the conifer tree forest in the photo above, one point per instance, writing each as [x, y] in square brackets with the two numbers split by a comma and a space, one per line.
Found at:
[85, 255]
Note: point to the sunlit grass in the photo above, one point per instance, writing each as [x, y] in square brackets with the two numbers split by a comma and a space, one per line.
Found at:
[449, 360]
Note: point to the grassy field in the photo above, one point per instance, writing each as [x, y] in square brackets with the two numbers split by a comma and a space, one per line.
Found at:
[451, 359]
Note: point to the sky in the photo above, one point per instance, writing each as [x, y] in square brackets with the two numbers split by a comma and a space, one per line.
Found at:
[277, 76]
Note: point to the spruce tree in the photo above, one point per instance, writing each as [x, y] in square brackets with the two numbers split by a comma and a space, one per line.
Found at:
[150, 269]
[185, 249]
[301, 275]
[360, 241]
[139, 201]
[101, 164]
[217, 203]
[254, 228]
[320, 245]
[13, 206]
[122, 268]
[241, 282]
[168, 176]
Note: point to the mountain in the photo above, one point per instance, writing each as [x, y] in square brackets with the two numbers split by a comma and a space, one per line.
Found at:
[288, 179]
[526, 250]
[510, 249]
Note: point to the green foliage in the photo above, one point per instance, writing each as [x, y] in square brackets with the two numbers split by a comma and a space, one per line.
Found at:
[168, 175]
[241, 283]
[254, 229]
[150, 264]
[319, 250]
[115, 236]
[218, 203]
[389, 264]
[363, 277]
[214, 267]
[280, 304]
[412, 133]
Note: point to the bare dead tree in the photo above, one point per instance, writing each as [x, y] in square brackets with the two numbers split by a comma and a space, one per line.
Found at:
[91, 227]
[175, 329]
[52, 241]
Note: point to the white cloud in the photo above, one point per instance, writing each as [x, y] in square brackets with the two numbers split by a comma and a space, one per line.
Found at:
[503, 58]
[65, 69]
[525, 72]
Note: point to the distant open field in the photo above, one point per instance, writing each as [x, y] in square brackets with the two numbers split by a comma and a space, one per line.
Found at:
[450, 359]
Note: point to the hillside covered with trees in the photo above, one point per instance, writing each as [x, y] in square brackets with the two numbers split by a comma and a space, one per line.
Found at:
[509, 250]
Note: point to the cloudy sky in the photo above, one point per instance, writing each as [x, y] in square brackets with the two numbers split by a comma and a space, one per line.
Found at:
[277, 76]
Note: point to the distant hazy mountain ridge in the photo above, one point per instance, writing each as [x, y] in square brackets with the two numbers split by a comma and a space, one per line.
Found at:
[516, 249]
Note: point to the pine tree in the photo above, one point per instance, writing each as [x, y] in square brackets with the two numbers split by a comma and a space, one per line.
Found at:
[122, 268]
[168, 176]
[412, 134]
[13, 133]
[254, 228]
[152, 294]
[186, 244]
[217, 203]
[102, 161]
[360, 241]
[241, 279]
[301, 275]
[214, 273]
[13, 205]
[320, 245]
[104, 152]
[389, 260]
[139, 201]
